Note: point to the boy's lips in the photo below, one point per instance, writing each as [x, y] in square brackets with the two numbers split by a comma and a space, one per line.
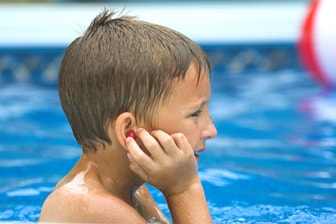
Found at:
[196, 153]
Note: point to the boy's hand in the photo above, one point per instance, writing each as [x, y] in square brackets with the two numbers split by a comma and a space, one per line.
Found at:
[169, 164]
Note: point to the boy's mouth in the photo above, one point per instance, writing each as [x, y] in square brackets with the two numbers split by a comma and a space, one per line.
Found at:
[197, 156]
[196, 153]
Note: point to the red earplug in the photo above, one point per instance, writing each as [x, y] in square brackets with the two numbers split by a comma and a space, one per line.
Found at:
[131, 133]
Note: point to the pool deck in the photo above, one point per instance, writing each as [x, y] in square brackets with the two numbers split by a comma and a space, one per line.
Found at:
[59, 24]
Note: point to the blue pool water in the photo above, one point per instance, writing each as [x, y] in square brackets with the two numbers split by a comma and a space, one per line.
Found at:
[273, 160]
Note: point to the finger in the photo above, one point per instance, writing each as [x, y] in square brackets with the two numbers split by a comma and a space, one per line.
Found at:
[182, 142]
[138, 156]
[151, 144]
[166, 141]
[137, 169]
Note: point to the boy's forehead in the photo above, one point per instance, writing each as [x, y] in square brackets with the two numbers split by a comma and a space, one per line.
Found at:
[193, 77]
[193, 85]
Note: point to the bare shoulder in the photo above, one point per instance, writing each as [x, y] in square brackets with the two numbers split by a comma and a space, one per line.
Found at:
[66, 206]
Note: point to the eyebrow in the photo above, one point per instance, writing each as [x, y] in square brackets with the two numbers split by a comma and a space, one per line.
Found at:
[200, 103]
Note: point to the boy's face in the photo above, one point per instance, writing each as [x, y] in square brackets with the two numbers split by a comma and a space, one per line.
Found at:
[186, 110]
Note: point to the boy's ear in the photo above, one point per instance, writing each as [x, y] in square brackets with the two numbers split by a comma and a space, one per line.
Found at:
[123, 123]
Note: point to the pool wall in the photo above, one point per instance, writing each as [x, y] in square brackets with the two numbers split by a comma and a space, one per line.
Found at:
[238, 37]
[40, 64]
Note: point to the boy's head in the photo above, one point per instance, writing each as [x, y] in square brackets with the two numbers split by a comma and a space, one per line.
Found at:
[121, 65]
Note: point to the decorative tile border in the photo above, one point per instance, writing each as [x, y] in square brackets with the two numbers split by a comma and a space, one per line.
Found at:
[234, 59]
[40, 64]
[30, 64]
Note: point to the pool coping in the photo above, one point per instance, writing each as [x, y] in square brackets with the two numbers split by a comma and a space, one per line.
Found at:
[210, 22]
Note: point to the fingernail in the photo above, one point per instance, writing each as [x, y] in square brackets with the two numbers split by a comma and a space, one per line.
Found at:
[139, 129]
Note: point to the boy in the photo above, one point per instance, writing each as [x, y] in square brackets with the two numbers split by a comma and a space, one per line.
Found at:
[136, 96]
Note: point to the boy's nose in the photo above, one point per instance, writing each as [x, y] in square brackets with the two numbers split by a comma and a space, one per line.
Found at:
[210, 130]
[213, 130]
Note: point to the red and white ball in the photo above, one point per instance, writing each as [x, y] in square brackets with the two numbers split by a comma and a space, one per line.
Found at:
[317, 42]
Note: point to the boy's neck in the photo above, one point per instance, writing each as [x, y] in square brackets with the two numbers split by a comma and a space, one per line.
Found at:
[109, 167]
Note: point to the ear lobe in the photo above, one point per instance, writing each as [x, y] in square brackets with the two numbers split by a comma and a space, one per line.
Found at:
[123, 123]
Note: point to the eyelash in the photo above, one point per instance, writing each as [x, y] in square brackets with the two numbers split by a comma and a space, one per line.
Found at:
[196, 114]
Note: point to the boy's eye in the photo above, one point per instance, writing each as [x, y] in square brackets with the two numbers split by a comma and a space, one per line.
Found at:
[196, 113]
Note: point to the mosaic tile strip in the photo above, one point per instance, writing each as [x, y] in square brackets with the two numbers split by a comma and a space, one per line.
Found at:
[40, 64]
[238, 59]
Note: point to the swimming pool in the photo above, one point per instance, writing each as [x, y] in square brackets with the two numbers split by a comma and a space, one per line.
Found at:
[273, 160]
